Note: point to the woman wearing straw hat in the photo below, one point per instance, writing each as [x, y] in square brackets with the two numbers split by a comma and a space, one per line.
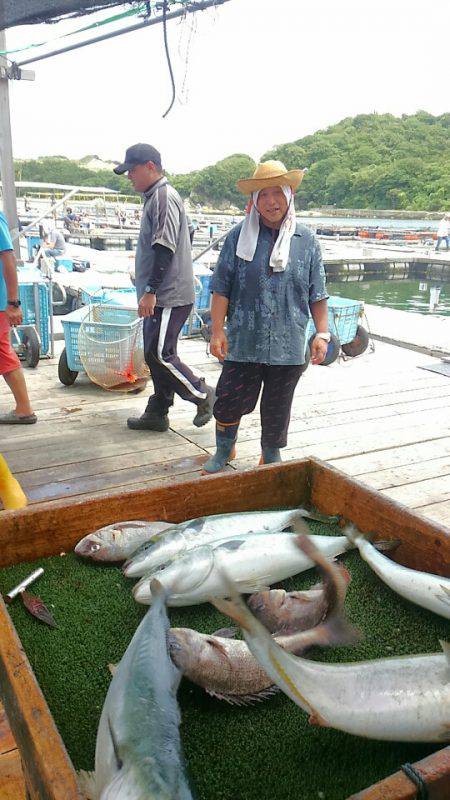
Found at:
[268, 277]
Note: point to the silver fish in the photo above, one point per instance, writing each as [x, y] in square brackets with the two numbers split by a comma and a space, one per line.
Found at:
[226, 669]
[423, 588]
[255, 561]
[138, 750]
[404, 699]
[120, 540]
[207, 530]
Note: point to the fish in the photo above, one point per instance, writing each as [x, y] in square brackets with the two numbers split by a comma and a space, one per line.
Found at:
[225, 667]
[138, 749]
[254, 561]
[422, 588]
[207, 530]
[119, 541]
[289, 612]
[401, 699]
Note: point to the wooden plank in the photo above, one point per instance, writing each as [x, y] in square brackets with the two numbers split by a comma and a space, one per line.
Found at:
[435, 771]
[413, 473]
[7, 741]
[51, 777]
[397, 457]
[12, 783]
[439, 512]
[424, 493]
[113, 481]
[100, 466]
[425, 545]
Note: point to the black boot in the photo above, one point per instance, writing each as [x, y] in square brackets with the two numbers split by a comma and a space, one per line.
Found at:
[205, 408]
[149, 421]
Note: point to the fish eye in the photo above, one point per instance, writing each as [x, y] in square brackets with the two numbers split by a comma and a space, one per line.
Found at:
[94, 547]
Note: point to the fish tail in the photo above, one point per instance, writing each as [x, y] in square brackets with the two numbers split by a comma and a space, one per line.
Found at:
[158, 590]
[335, 584]
[235, 609]
[298, 525]
[88, 784]
[352, 533]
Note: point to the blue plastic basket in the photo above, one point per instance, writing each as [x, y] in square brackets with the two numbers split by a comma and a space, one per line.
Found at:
[115, 320]
[343, 318]
[34, 297]
[113, 297]
[202, 300]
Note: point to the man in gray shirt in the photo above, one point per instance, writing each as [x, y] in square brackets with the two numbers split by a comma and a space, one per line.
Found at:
[165, 291]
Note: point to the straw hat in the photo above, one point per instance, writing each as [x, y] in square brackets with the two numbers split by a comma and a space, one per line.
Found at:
[271, 173]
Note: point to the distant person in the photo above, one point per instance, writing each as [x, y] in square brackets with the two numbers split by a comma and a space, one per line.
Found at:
[54, 243]
[192, 227]
[443, 232]
[70, 219]
[11, 314]
[165, 291]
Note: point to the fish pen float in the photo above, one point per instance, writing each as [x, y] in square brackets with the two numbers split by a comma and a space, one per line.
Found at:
[54, 528]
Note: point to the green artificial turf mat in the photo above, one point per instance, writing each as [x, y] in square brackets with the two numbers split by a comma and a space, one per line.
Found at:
[264, 752]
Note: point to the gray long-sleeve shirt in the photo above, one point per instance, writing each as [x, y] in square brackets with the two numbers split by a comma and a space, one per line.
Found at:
[164, 222]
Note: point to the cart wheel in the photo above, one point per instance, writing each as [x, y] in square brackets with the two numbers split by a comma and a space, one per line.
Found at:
[358, 345]
[66, 376]
[333, 350]
[30, 346]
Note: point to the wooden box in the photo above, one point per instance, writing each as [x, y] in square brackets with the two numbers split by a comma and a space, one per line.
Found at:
[57, 526]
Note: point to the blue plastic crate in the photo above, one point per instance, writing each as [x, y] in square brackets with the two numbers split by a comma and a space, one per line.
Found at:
[114, 320]
[343, 318]
[34, 296]
[113, 297]
[202, 298]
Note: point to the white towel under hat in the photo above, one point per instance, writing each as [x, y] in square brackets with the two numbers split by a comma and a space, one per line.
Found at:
[248, 237]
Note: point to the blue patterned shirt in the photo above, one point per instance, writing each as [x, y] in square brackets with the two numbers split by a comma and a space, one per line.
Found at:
[268, 311]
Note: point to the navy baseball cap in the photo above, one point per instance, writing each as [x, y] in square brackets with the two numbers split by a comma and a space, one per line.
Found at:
[139, 154]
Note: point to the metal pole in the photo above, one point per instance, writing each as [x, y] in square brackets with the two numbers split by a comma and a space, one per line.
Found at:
[51, 209]
[6, 155]
[187, 9]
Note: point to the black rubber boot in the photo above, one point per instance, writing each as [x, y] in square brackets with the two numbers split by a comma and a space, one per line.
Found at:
[225, 452]
[205, 408]
[149, 421]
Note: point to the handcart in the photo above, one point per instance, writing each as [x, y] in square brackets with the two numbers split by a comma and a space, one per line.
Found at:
[347, 334]
[107, 326]
[32, 339]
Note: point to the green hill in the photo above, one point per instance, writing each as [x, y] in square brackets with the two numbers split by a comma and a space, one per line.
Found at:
[369, 161]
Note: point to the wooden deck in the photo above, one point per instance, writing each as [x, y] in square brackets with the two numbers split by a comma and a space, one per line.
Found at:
[378, 418]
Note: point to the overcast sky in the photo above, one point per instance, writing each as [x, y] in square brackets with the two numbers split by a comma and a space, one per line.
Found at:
[259, 73]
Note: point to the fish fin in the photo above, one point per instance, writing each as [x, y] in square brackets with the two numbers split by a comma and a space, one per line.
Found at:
[233, 544]
[215, 643]
[115, 745]
[386, 545]
[87, 783]
[298, 524]
[37, 608]
[157, 589]
[113, 668]
[244, 699]
[446, 650]
[225, 633]
[230, 609]
[445, 597]
[249, 588]
[316, 719]
[326, 518]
